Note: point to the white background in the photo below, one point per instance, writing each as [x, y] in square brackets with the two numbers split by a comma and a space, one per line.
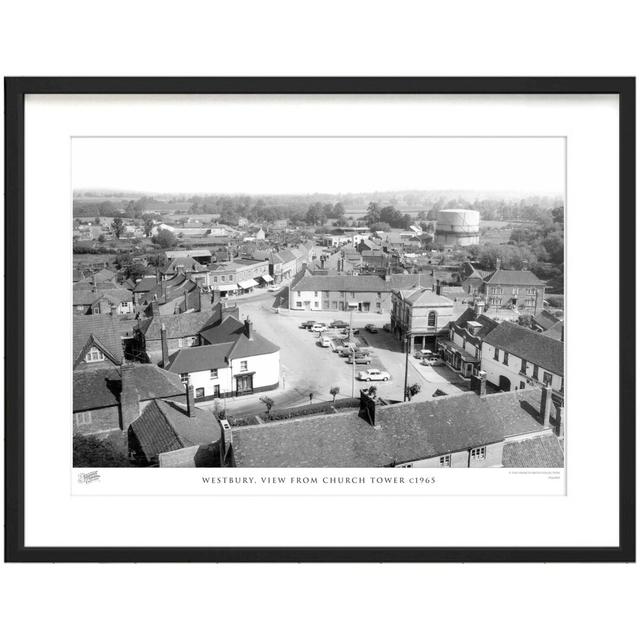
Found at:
[372, 38]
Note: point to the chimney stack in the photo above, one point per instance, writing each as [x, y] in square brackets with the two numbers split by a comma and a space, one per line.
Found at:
[367, 408]
[479, 383]
[165, 346]
[129, 398]
[545, 406]
[498, 264]
[191, 401]
[248, 329]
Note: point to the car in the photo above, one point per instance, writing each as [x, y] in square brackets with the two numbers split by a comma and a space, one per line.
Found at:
[371, 328]
[423, 353]
[374, 374]
[318, 326]
[324, 342]
[274, 288]
[361, 358]
[307, 324]
[432, 361]
[339, 324]
[386, 327]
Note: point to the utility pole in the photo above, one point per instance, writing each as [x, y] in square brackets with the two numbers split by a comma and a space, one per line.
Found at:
[406, 365]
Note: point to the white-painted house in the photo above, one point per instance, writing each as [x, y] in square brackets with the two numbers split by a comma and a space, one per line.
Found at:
[232, 360]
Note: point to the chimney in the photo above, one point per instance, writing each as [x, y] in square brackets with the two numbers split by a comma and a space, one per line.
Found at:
[129, 398]
[498, 264]
[438, 289]
[479, 383]
[545, 406]
[227, 441]
[524, 266]
[165, 345]
[191, 402]
[155, 309]
[248, 329]
[367, 408]
[478, 307]
[158, 278]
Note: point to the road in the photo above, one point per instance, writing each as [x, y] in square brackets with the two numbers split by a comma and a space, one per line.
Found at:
[306, 368]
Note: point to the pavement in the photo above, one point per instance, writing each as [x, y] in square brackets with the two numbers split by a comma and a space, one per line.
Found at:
[307, 368]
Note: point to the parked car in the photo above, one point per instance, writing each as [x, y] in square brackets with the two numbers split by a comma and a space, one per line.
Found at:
[307, 324]
[325, 342]
[386, 327]
[374, 374]
[423, 353]
[371, 328]
[318, 326]
[361, 358]
[274, 288]
[339, 324]
[432, 361]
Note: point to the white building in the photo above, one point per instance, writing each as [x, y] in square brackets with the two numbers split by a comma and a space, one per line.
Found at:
[232, 360]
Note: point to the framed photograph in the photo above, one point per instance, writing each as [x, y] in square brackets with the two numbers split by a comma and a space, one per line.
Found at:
[320, 319]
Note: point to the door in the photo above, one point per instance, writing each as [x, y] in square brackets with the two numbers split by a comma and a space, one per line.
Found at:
[216, 391]
[505, 383]
[244, 384]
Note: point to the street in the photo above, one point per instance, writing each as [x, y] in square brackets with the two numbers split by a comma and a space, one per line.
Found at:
[306, 367]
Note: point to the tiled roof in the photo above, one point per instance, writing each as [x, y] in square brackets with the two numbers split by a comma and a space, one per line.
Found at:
[545, 319]
[105, 328]
[148, 283]
[534, 347]
[166, 426]
[541, 452]
[469, 315]
[96, 388]
[556, 332]
[512, 277]
[404, 432]
[231, 330]
[180, 325]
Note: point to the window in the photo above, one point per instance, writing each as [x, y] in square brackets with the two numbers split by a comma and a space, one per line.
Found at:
[84, 417]
[223, 278]
[445, 461]
[431, 319]
[534, 375]
[94, 355]
[505, 359]
[496, 354]
[315, 304]
[547, 378]
[531, 292]
[298, 304]
[515, 291]
[244, 365]
[315, 294]
[215, 278]
[479, 453]
[200, 392]
[298, 293]
[184, 378]
[523, 367]
[213, 374]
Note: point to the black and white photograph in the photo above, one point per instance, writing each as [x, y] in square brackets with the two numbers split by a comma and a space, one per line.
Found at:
[318, 302]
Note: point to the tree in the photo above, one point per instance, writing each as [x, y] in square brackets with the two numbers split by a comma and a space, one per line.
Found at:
[89, 451]
[102, 238]
[413, 390]
[165, 239]
[106, 208]
[97, 221]
[338, 210]
[118, 227]
[334, 391]
[268, 403]
[148, 224]
[130, 210]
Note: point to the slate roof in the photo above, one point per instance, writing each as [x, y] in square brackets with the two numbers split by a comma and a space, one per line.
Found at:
[534, 347]
[546, 320]
[469, 315]
[424, 297]
[97, 388]
[106, 329]
[165, 426]
[404, 432]
[212, 356]
[513, 277]
[556, 332]
[541, 452]
[148, 283]
[361, 283]
[178, 326]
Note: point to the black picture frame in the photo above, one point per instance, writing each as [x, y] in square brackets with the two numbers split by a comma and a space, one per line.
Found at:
[15, 91]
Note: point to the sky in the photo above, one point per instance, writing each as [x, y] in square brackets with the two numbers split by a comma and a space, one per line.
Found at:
[278, 165]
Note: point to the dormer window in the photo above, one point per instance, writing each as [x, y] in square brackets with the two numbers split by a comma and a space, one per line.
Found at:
[94, 355]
